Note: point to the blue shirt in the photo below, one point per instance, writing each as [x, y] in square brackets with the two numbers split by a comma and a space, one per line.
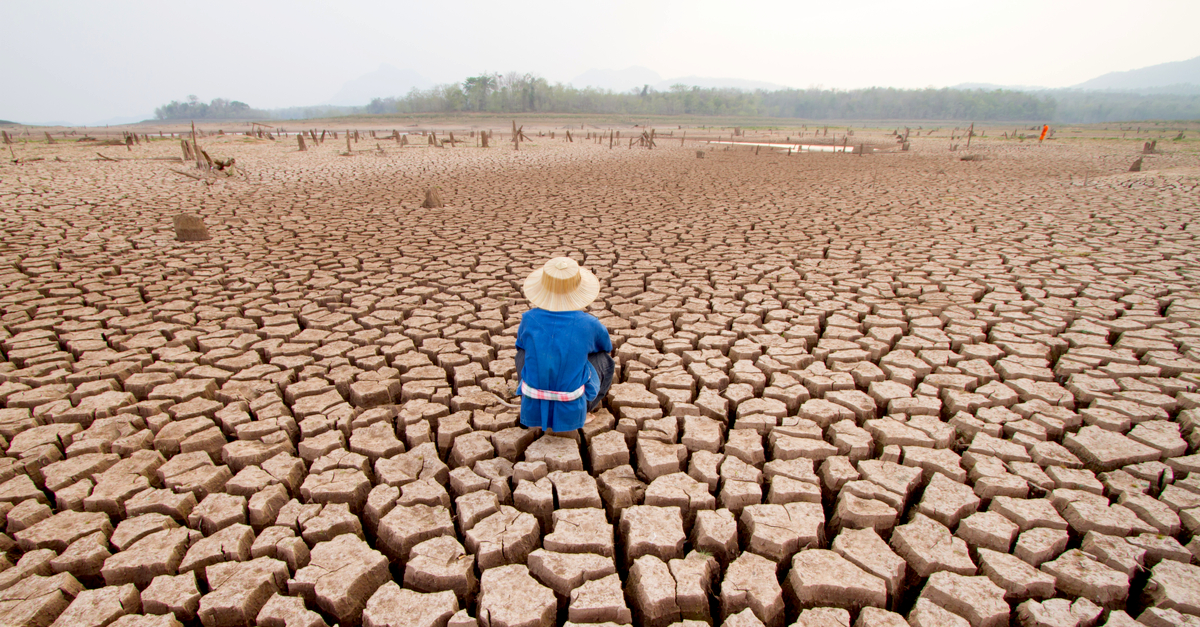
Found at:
[557, 345]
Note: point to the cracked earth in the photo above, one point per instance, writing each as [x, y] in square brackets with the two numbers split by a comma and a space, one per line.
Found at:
[892, 389]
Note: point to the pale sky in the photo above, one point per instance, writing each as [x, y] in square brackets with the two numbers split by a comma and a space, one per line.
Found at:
[88, 61]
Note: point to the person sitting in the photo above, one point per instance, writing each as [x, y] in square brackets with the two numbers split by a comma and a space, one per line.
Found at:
[563, 361]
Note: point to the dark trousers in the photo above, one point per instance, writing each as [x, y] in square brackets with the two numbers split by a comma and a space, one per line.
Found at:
[602, 362]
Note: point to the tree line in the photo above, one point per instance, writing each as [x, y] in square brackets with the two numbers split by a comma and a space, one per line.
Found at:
[527, 93]
[193, 109]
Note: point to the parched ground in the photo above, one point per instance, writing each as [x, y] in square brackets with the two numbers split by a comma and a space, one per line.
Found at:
[851, 389]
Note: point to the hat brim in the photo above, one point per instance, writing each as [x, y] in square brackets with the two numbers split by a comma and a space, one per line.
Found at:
[579, 298]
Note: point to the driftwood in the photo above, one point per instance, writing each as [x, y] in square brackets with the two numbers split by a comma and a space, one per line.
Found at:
[518, 135]
[196, 148]
[190, 228]
[108, 158]
[187, 174]
[433, 199]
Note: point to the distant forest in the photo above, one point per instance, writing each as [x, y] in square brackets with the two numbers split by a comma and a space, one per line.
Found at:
[526, 93]
[218, 109]
[522, 93]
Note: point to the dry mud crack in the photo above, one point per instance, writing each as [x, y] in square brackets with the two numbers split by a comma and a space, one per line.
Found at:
[883, 390]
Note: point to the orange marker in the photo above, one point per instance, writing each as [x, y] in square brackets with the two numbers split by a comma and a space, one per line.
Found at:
[1045, 129]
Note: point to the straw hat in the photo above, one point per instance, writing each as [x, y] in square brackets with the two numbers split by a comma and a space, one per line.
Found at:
[561, 285]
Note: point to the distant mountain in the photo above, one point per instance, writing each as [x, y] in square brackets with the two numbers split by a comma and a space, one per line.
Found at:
[1182, 73]
[48, 123]
[637, 77]
[617, 80]
[709, 83]
[386, 81]
[994, 87]
[123, 119]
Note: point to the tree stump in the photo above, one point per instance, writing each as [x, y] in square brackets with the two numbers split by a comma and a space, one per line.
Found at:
[484, 137]
[300, 138]
[190, 228]
[699, 154]
[1137, 165]
[433, 199]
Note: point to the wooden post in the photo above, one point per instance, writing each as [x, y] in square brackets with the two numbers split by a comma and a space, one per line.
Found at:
[516, 137]
[196, 147]
[433, 199]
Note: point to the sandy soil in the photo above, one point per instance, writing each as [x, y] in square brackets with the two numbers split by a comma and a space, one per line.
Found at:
[961, 391]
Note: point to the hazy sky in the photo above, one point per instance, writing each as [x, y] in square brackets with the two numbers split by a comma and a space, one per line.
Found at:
[87, 61]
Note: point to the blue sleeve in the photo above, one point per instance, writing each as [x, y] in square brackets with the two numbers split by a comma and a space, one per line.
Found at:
[603, 341]
[521, 333]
